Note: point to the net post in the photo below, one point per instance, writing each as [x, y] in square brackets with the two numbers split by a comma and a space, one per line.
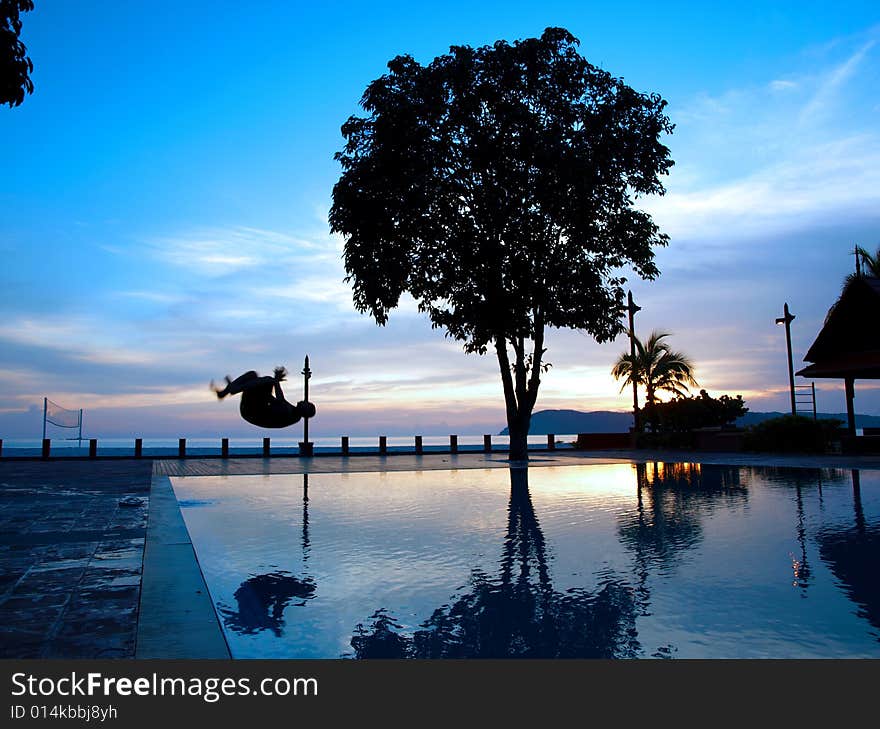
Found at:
[224, 447]
[344, 445]
[453, 444]
[383, 445]
[45, 408]
[419, 448]
[181, 447]
[267, 448]
[487, 443]
[138, 447]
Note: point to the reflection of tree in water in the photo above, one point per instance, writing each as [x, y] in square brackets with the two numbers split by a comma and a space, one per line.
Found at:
[517, 614]
[853, 554]
[262, 599]
[672, 499]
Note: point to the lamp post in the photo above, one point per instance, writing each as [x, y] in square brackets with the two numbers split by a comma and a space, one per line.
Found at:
[631, 309]
[305, 448]
[787, 319]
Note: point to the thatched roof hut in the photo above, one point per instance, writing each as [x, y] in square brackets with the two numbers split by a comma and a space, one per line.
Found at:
[848, 347]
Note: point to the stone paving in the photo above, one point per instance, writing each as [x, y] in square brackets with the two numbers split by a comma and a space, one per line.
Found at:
[71, 557]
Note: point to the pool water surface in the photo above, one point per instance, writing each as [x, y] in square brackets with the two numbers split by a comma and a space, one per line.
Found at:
[616, 560]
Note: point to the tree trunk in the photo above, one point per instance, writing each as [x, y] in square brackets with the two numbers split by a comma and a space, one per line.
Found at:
[519, 434]
[520, 387]
[650, 399]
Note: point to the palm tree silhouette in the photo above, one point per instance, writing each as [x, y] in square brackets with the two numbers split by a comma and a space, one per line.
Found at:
[656, 367]
[870, 264]
[867, 266]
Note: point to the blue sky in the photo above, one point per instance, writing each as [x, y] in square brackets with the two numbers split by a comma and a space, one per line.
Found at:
[164, 196]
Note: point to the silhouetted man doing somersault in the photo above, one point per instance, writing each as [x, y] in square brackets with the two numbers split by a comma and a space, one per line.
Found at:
[262, 401]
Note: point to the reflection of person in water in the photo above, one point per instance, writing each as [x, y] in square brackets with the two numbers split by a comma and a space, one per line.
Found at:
[262, 600]
[262, 400]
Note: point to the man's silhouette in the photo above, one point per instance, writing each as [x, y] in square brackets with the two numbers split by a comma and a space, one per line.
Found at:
[262, 400]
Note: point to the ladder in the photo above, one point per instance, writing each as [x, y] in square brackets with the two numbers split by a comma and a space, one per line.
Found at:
[805, 399]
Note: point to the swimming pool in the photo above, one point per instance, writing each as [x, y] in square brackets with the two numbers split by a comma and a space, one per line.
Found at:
[618, 560]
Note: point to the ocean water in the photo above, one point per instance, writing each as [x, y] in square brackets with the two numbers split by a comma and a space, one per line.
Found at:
[253, 446]
[600, 561]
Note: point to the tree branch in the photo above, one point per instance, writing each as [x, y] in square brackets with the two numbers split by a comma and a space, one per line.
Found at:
[537, 358]
[519, 349]
[506, 377]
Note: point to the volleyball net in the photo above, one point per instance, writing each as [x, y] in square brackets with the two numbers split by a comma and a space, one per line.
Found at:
[61, 417]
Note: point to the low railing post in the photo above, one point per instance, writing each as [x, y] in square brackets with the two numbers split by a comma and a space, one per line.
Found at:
[47, 446]
[453, 444]
[344, 445]
[419, 448]
[487, 443]
[383, 445]
[93, 448]
[267, 448]
[224, 447]
[138, 447]
[181, 448]
[551, 442]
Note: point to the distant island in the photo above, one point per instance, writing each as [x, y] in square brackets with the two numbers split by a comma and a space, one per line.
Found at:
[567, 422]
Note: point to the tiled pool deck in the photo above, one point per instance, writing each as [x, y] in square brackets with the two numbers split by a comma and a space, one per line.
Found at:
[71, 557]
[95, 561]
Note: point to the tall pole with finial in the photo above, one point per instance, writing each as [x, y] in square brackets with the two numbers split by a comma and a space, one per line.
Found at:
[787, 319]
[306, 446]
[631, 309]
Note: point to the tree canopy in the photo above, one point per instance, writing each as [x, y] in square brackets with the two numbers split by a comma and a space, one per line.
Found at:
[15, 66]
[496, 186]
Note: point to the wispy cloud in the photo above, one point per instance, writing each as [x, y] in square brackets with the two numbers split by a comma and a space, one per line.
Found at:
[833, 178]
[318, 288]
[786, 161]
[75, 336]
[156, 297]
[222, 251]
[825, 98]
[783, 84]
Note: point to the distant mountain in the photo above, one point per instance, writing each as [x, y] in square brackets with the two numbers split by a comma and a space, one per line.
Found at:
[569, 422]
[862, 420]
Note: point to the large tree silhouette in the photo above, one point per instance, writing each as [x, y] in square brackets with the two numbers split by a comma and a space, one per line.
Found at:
[496, 186]
[15, 66]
